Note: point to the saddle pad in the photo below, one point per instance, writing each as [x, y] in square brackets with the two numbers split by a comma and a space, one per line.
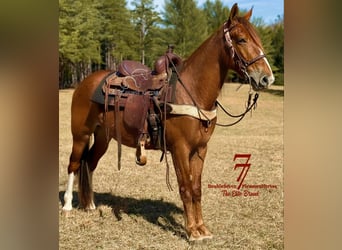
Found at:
[99, 96]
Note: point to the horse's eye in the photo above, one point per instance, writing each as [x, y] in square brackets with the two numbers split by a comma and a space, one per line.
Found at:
[241, 41]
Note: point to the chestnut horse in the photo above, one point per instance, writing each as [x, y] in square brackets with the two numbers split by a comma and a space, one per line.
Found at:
[236, 46]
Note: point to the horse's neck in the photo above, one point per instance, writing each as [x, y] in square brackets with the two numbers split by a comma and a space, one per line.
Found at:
[203, 74]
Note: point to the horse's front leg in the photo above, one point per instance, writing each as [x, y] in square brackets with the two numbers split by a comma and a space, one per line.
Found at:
[196, 167]
[180, 157]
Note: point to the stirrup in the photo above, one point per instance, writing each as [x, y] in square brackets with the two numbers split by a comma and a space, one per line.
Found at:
[140, 155]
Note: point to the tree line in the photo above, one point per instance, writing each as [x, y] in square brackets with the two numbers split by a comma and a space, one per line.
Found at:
[96, 35]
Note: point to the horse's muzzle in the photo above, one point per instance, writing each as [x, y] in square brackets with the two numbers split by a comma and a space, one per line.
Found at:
[261, 81]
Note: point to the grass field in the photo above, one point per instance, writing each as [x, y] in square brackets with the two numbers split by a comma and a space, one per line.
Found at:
[135, 209]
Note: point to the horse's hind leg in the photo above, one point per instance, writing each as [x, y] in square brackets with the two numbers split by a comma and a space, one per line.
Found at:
[84, 163]
[96, 152]
[68, 193]
[78, 148]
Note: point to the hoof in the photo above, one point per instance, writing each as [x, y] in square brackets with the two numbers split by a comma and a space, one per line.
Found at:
[140, 154]
[141, 161]
[195, 236]
[66, 213]
[205, 233]
[90, 207]
[67, 208]
[201, 233]
[200, 237]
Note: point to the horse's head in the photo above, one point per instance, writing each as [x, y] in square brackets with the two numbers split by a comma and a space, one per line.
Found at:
[246, 50]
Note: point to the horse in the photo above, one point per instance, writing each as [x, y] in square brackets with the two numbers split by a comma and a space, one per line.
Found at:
[234, 46]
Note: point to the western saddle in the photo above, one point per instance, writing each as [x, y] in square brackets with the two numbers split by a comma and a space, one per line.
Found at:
[139, 91]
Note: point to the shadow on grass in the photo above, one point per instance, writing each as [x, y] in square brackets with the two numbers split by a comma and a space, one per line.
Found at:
[157, 212]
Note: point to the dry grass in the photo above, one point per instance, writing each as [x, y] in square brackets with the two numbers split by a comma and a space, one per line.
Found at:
[135, 210]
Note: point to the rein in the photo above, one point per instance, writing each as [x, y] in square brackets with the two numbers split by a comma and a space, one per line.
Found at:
[242, 115]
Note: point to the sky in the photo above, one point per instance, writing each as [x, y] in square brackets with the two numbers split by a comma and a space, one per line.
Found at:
[267, 9]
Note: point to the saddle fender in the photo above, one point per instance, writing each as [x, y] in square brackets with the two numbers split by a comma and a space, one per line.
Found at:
[136, 109]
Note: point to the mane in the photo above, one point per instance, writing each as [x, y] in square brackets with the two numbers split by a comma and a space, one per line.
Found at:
[251, 30]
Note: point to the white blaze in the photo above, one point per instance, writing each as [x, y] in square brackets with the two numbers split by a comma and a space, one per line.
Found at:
[271, 77]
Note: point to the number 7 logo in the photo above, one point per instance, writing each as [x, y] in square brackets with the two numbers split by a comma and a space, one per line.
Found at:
[245, 167]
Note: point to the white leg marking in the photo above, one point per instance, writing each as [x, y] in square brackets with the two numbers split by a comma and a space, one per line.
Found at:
[92, 204]
[68, 193]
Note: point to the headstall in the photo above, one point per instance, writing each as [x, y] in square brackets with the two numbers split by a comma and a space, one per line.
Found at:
[241, 62]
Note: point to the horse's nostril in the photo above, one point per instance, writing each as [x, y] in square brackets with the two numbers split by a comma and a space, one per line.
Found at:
[264, 81]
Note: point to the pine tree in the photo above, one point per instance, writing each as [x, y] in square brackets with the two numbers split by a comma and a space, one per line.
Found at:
[146, 30]
[216, 14]
[185, 24]
[117, 31]
[79, 45]
[100, 34]
[273, 42]
[278, 45]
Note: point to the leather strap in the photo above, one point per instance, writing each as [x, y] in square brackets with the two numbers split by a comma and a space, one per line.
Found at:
[239, 60]
[117, 127]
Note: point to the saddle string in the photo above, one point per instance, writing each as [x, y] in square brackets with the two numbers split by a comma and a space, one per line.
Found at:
[106, 110]
[117, 124]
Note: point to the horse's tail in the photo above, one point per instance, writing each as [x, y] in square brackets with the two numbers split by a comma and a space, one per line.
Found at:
[85, 190]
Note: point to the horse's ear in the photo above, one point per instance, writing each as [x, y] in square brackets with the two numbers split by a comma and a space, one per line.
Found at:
[248, 15]
[233, 12]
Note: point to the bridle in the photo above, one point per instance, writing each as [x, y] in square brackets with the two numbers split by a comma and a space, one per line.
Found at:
[241, 63]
